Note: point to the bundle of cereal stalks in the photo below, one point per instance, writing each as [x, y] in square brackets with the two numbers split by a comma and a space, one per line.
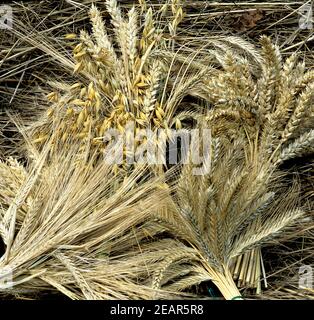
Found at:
[80, 218]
